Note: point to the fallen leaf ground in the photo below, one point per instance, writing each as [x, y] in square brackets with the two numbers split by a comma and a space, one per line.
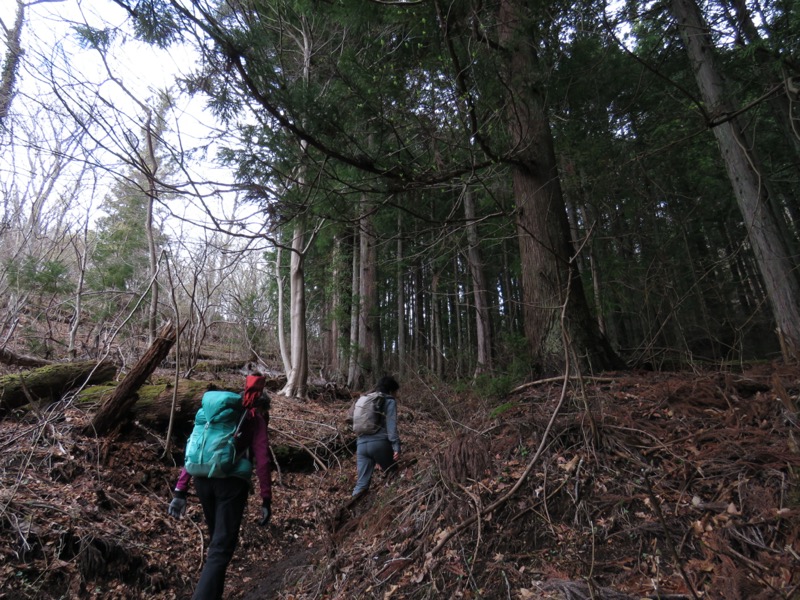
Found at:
[644, 485]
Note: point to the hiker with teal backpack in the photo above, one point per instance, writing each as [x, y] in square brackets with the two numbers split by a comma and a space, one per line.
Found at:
[374, 420]
[229, 437]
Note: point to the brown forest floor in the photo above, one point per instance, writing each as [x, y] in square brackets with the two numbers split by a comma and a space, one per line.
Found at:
[649, 485]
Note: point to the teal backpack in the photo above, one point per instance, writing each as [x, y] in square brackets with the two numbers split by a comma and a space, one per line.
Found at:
[211, 449]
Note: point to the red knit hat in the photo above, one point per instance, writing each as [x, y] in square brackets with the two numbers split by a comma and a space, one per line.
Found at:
[253, 386]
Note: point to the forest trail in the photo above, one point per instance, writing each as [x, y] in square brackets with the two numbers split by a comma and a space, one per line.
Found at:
[683, 481]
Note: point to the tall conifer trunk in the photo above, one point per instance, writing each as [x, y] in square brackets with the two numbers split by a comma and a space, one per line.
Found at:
[284, 349]
[353, 370]
[332, 342]
[549, 276]
[479, 290]
[369, 333]
[778, 269]
[401, 302]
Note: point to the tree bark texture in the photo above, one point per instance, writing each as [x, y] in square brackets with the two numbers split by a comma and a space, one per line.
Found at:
[435, 330]
[479, 290]
[401, 302]
[51, 382]
[333, 363]
[777, 268]
[150, 169]
[11, 63]
[298, 375]
[114, 410]
[549, 277]
[353, 368]
[284, 350]
[369, 333]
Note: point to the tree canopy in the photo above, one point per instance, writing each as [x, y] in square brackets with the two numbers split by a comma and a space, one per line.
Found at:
[468, 188]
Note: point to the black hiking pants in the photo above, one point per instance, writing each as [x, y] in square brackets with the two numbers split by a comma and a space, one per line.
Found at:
[224, 501]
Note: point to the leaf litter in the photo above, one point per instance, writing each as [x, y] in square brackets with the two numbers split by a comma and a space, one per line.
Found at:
[644, 485]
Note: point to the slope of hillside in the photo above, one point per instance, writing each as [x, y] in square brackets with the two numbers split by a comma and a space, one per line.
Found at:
[644, 485]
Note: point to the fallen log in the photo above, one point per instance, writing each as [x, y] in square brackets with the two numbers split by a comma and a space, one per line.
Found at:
[51, 382]
[113, 410]
[20, 360]
[154, 402]
[151, 412]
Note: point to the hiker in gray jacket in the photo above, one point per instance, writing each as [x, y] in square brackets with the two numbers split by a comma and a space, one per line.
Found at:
[382, 447]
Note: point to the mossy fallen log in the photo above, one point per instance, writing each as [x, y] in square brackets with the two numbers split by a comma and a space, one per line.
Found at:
[115, 406]
[151, 412]
[51, 382]
[154, 402]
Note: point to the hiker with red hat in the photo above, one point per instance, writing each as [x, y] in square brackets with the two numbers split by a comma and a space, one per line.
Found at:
[223, 484]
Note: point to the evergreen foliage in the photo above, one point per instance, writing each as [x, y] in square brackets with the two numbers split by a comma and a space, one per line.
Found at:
[337, 110]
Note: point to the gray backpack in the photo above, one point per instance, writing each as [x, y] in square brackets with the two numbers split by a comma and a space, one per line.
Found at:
[369, 413]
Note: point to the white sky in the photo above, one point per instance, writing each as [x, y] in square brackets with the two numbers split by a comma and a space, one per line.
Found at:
[140, 68]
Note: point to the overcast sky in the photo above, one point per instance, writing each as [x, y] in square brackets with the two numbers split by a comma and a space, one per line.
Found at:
[49, 39]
